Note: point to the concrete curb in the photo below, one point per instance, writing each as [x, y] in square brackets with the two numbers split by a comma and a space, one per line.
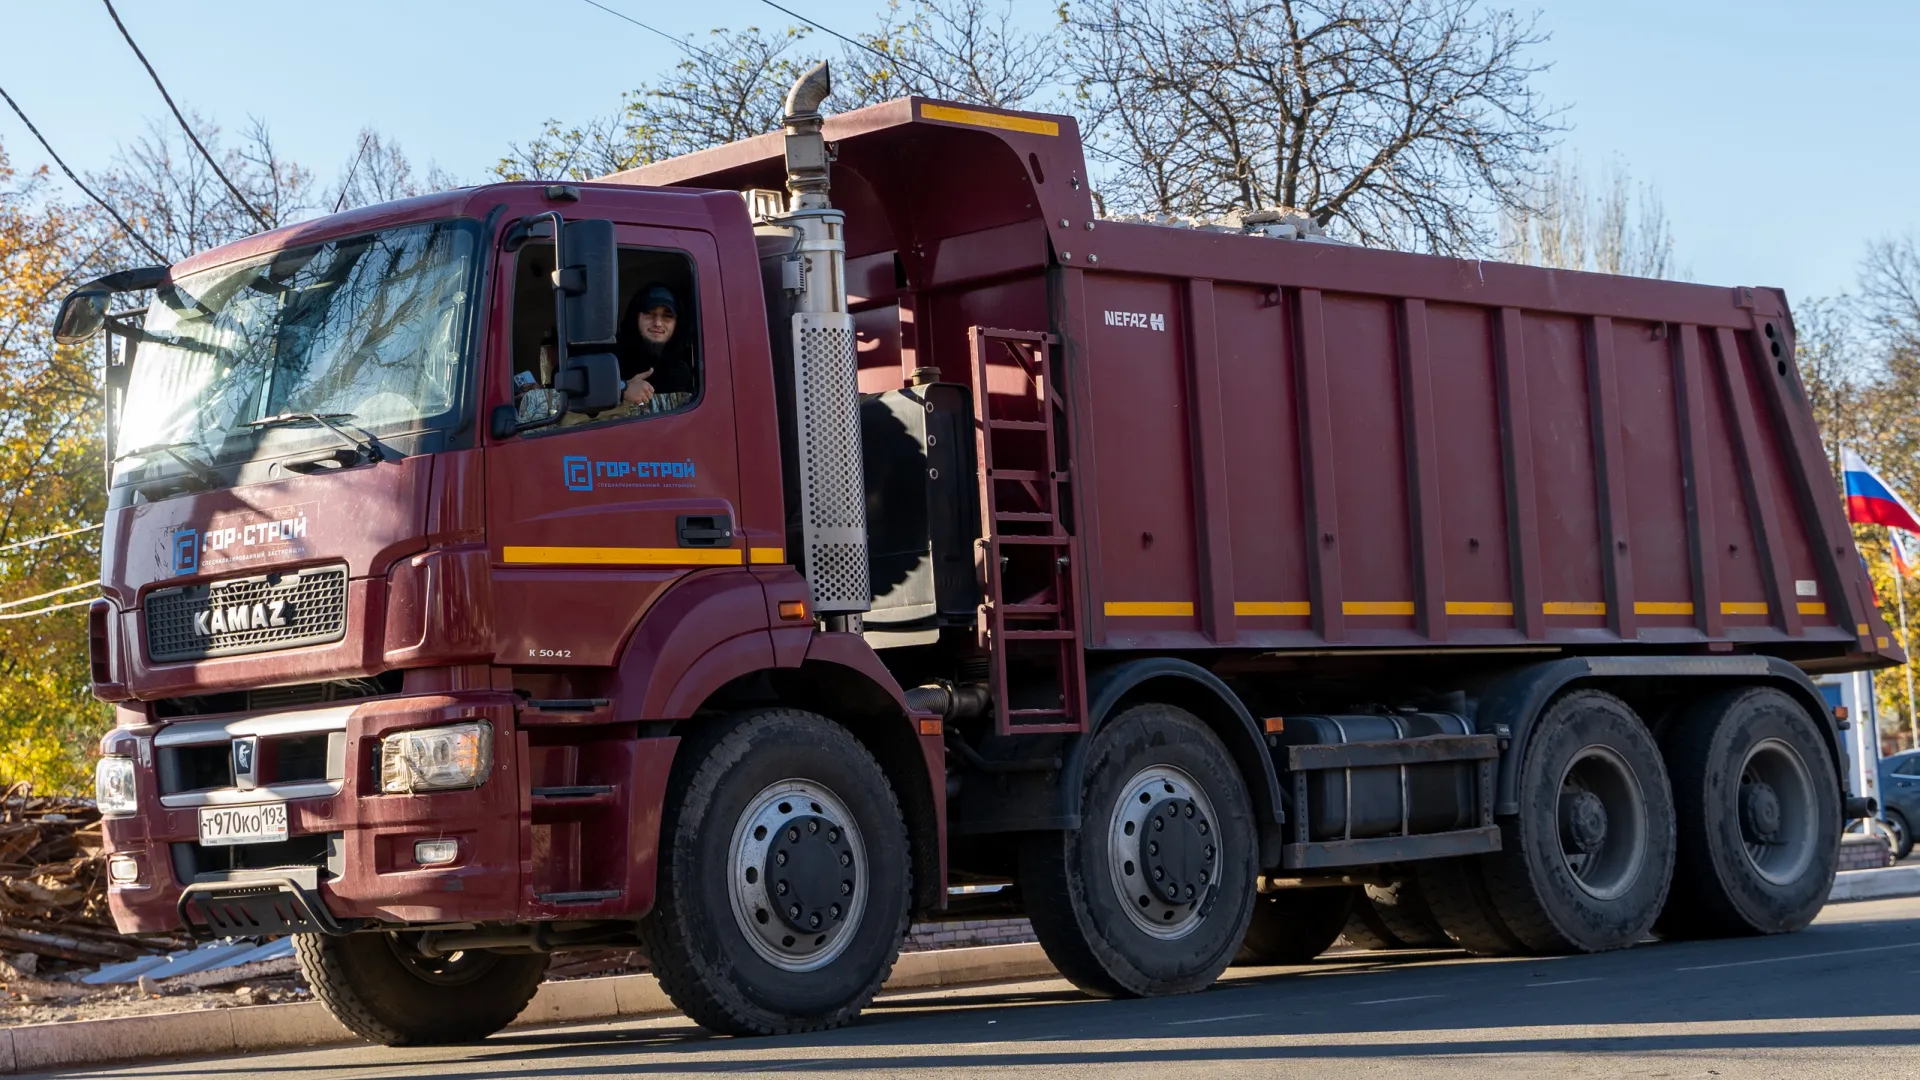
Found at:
[1881, 884]
[38, 1047]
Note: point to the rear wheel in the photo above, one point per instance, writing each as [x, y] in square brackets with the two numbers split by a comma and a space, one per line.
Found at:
[784, 877]
[384, 990]
[1292, 926]
[1759, 817]
[1587, 862]
[1153, 893]
[1402, 908]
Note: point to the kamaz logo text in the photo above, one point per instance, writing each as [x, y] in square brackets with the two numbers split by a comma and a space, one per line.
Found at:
[1139, 320]
[232, 618]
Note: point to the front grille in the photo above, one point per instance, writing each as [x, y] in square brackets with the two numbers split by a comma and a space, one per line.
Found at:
[267, 698]
[247, 615]
[300, 757]
[323, 851]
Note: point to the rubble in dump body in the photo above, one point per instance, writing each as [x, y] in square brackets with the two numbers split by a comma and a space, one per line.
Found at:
[1280, 224]
[53, 883]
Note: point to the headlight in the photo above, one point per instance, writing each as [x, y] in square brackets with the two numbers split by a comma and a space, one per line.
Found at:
[436, 759]
[113, 786]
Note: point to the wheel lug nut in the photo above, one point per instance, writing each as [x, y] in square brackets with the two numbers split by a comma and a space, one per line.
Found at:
[781, 888]
[1203, 827]
[1153, 847]
[813, 826]
[834, 910]
[1159, 824]
[813, 920]
[793, 836]
[846, 858]
[1159, 874]
[833, 836]
[779, 858]
[846, 888]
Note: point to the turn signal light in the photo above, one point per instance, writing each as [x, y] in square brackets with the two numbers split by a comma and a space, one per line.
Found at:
[435, 852]
[793, 610]
[122, 869]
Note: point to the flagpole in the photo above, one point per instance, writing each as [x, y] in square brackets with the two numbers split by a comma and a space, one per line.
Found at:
[1900, 599]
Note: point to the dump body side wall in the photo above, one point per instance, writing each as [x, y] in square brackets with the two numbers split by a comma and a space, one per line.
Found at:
[1300, 445]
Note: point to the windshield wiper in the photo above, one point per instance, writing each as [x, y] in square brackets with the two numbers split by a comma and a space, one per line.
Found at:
[200, 472]
[365, 445]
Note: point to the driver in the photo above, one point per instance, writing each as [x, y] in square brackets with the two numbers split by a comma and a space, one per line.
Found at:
[655, 359]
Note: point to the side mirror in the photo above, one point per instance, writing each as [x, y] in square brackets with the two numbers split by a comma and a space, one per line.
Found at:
[591, 382]
[81, 315]
[591, 281]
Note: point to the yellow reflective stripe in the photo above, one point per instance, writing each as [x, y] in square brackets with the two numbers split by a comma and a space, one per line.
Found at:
[1862, 630]
[1812, 607]
[625, 556]
[761, 556]
[1149, 607]
[1377, 607]
[1272, 607]
[1663, 607]
[1032, 125]
[1573, 607]
[1479, 607]
[1743, 607]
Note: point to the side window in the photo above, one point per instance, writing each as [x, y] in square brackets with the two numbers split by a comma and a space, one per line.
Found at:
[1909, 767]
[658, 346]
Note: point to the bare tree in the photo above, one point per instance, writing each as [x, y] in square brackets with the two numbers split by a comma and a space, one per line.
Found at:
[728, 88]
[731, 85]
[380, 171]
[970, 50]
[1398, 122]
[1622, 229]
[167, 189]
[1890, 289]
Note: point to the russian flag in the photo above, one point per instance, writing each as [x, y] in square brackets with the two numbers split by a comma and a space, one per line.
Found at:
[1870, 501]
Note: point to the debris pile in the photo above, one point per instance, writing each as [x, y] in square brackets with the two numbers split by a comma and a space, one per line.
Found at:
[53, 883]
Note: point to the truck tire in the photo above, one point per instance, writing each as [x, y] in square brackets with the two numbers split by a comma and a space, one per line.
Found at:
[740, 940]
[1902, 834]
[1401, 907]
[1586, 864]
[1292, 926]
[1153, 893]
[1759, 817]
[383, 990]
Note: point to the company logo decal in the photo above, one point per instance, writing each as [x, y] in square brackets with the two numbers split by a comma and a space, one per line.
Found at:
[270, 535]
[186, 551]
[1139, 320]
[585, 474]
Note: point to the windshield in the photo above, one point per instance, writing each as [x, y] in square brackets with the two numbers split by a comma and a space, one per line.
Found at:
[369, 331]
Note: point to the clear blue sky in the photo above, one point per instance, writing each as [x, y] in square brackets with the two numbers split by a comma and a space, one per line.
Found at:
[1781, 136]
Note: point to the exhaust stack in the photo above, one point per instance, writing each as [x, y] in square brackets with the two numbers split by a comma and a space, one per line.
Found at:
[833, 504]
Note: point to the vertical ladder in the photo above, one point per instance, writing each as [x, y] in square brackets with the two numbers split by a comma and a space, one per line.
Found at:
[1029, 618]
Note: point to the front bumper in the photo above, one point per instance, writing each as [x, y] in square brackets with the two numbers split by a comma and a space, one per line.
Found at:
[354, 844]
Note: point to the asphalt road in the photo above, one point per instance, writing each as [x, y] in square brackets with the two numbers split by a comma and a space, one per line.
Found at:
[1836, 1000]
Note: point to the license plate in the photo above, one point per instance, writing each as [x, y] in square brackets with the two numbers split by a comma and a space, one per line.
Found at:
[260, 823]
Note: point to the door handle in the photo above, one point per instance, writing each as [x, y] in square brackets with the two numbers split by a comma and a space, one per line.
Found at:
[705, 530]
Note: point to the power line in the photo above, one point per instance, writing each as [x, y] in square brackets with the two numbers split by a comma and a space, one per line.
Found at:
[881, 53]
[44, 610]
[687, 45]
[53, 592]
[195, 139]
[104, 205]
[49, 536]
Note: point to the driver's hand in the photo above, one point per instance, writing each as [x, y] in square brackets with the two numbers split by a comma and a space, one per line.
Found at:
[639, 390]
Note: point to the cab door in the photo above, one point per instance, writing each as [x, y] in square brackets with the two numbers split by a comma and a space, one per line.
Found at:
[587, 524]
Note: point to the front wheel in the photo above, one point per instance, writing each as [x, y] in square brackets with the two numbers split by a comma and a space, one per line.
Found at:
[1152, 894]
[1902, 835]
[384, 990]
[784, 881]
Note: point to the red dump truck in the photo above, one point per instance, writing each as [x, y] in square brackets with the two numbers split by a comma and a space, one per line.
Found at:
[743, 556]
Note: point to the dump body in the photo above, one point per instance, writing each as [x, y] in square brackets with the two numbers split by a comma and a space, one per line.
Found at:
[1298, 445]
